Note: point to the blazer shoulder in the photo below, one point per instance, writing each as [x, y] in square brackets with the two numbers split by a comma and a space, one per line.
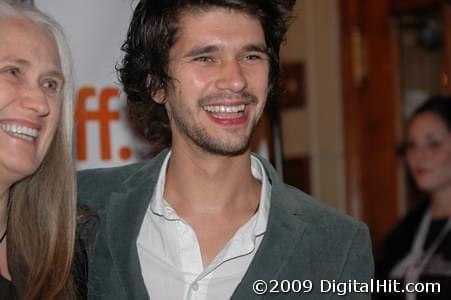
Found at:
[310, 210]
[325, 217]
[94, 184]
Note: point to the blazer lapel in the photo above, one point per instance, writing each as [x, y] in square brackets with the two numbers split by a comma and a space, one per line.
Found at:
[124, 218]
[284, 231]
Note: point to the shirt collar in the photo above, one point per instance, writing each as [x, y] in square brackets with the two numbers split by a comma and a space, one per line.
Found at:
[258, 171]
[161, 207]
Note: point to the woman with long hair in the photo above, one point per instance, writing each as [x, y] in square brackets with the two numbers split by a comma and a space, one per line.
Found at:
[419, 249]
[38, 212]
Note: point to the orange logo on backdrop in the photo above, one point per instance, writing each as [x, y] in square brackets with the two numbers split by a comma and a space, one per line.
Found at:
[103, 115]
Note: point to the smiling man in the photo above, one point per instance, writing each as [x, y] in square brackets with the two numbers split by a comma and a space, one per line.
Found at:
[206, 219]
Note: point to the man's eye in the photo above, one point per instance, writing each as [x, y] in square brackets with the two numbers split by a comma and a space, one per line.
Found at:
[14, 71]
[203, 59]
[252, 57]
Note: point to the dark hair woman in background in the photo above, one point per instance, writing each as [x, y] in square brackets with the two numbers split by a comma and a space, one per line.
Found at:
[419, 249]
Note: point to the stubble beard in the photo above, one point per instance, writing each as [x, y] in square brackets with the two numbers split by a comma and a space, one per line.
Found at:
[200, 137]
[213, 145]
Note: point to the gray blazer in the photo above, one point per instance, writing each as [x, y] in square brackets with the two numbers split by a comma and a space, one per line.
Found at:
[305, 239]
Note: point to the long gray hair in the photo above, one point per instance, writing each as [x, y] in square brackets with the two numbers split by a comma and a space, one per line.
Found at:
[42, 207]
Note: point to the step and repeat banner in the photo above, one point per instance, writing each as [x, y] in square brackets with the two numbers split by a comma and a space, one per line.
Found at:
[96, 31]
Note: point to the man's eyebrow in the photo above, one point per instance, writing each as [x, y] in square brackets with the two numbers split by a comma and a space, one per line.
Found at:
[203, 49]
[256, 48]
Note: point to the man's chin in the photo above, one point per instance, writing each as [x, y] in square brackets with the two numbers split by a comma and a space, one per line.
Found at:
[225, 149]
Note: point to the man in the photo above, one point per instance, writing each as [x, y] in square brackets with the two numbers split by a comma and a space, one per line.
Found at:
[205, 219]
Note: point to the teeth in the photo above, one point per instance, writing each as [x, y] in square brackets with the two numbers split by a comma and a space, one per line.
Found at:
[225, 108]
[24, 132]
[25, 137]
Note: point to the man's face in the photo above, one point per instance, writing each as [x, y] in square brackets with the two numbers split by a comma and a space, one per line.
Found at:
[220, 68]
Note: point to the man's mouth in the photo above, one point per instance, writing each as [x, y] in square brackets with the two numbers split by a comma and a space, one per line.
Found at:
[226, 112]
[20, 131]
[225, 108]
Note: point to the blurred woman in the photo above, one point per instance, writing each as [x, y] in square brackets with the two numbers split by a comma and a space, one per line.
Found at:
[37, 181]
[419, 249]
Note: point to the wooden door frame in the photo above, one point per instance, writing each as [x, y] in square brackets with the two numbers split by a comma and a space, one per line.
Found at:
[370, 90]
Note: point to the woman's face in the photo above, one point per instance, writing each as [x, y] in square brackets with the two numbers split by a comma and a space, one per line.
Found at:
[31, 83]
[428, 152]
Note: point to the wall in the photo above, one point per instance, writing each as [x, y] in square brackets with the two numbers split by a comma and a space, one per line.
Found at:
[316, 129]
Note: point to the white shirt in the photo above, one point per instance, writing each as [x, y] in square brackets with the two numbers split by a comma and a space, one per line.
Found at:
[169, 252]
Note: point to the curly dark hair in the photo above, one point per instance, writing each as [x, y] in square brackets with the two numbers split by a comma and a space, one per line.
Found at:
[153, 31]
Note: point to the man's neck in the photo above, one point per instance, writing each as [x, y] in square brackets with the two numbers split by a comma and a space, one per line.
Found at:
[205, 182]
[215, 194]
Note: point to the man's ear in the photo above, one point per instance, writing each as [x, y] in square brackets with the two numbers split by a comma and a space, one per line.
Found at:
[159, 96]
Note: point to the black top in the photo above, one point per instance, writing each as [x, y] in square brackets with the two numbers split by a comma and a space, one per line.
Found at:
[7, 290]
[398, 244]
[85, 240]
[80, 271]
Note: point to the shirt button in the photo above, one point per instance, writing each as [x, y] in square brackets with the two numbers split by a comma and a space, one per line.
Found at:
[195, 286]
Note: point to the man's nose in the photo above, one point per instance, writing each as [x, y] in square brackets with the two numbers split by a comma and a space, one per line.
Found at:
[232, 77]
